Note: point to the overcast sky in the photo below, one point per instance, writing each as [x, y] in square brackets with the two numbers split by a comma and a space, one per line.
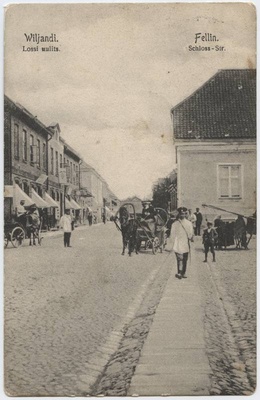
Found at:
[119, 71]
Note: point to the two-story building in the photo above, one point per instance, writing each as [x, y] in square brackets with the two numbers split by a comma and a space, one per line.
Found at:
[214, 133]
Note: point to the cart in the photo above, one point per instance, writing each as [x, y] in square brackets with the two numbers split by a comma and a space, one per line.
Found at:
[234, 231]
[155, 238]
[19, 229]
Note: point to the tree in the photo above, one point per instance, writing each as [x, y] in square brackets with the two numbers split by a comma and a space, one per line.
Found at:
[161, 195]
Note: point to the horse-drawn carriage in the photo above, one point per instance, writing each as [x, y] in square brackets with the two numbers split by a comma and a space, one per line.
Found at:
[25, 226]
[233, 231]
[142, 233]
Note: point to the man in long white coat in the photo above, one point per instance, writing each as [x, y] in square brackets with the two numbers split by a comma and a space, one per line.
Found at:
[182, 234]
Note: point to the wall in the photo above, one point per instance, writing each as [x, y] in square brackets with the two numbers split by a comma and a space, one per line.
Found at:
[197, 176]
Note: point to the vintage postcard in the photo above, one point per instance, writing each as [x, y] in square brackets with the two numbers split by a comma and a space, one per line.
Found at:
[129, 199]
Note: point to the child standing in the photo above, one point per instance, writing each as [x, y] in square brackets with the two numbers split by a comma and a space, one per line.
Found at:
[209, 237]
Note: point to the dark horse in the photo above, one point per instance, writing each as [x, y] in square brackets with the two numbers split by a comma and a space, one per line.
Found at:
[31, 223]
[128, 228]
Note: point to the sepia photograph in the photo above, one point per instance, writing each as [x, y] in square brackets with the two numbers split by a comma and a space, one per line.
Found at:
[129, 141]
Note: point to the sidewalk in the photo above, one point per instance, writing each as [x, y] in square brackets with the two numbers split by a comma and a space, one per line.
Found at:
[59, 232]
[173, 360]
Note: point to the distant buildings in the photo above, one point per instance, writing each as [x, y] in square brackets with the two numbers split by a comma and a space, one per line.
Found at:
[39, 165]
[214, 132]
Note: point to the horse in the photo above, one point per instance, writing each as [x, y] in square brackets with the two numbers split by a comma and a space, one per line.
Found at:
[128, 228]
[33, 225]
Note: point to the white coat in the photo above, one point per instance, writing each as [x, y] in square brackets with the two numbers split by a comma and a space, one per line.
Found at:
[181, 233]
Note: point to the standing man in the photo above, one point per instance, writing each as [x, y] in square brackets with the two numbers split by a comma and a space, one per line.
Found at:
[66, 224]
[198, 222]
[182, 234]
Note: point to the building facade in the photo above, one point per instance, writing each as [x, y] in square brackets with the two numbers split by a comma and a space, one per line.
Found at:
[215, 140]
[48, 171]
[25, 153]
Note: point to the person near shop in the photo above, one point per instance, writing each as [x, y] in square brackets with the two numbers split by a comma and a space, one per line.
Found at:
[182, 235]
[66, 225]
[198, 222]
[209, 239]
[90, 218]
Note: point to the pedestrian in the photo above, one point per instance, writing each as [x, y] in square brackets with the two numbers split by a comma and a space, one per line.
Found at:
[219, 224]
[66, 224]
[198, 222]
[192, 218]
[209, 238]
[104, 218]
[182, 234]
[90, 217]
[20, 209]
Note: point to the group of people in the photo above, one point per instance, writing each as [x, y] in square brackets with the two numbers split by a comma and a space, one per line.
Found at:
[183, 229]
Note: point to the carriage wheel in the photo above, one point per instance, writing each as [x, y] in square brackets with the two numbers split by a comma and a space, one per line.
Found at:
[156, 245]
[17, 236]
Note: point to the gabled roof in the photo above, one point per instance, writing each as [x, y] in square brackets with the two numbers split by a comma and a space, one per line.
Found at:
[224, 107]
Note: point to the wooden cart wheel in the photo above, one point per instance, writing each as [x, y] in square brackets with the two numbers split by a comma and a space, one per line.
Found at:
[156, 245]
[17, 236]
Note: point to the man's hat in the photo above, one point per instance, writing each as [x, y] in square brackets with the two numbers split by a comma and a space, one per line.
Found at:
[182, 210]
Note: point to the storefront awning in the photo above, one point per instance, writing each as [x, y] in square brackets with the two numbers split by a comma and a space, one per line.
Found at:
[19, 195]
[75, 205]
[68, 205]
[42, 178]
[38, 200]
[51, 201]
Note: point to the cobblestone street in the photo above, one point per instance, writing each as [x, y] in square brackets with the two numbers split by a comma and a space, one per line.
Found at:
[76, 320]
[65, 309]
[229, 288]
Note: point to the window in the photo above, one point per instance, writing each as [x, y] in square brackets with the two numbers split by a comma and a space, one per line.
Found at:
[52, 162]
[16, 141]
[24, 145]
[56, 163]
[57, 196]
[230, 181]
[31, 149]
[38, 154]
[60, 160]
[71, 171]
[74, 174]
[26, 188]
[77, 175]
[44, 156]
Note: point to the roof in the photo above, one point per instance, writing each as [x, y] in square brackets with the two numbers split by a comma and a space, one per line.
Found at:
[223, 107]
[22, 112]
